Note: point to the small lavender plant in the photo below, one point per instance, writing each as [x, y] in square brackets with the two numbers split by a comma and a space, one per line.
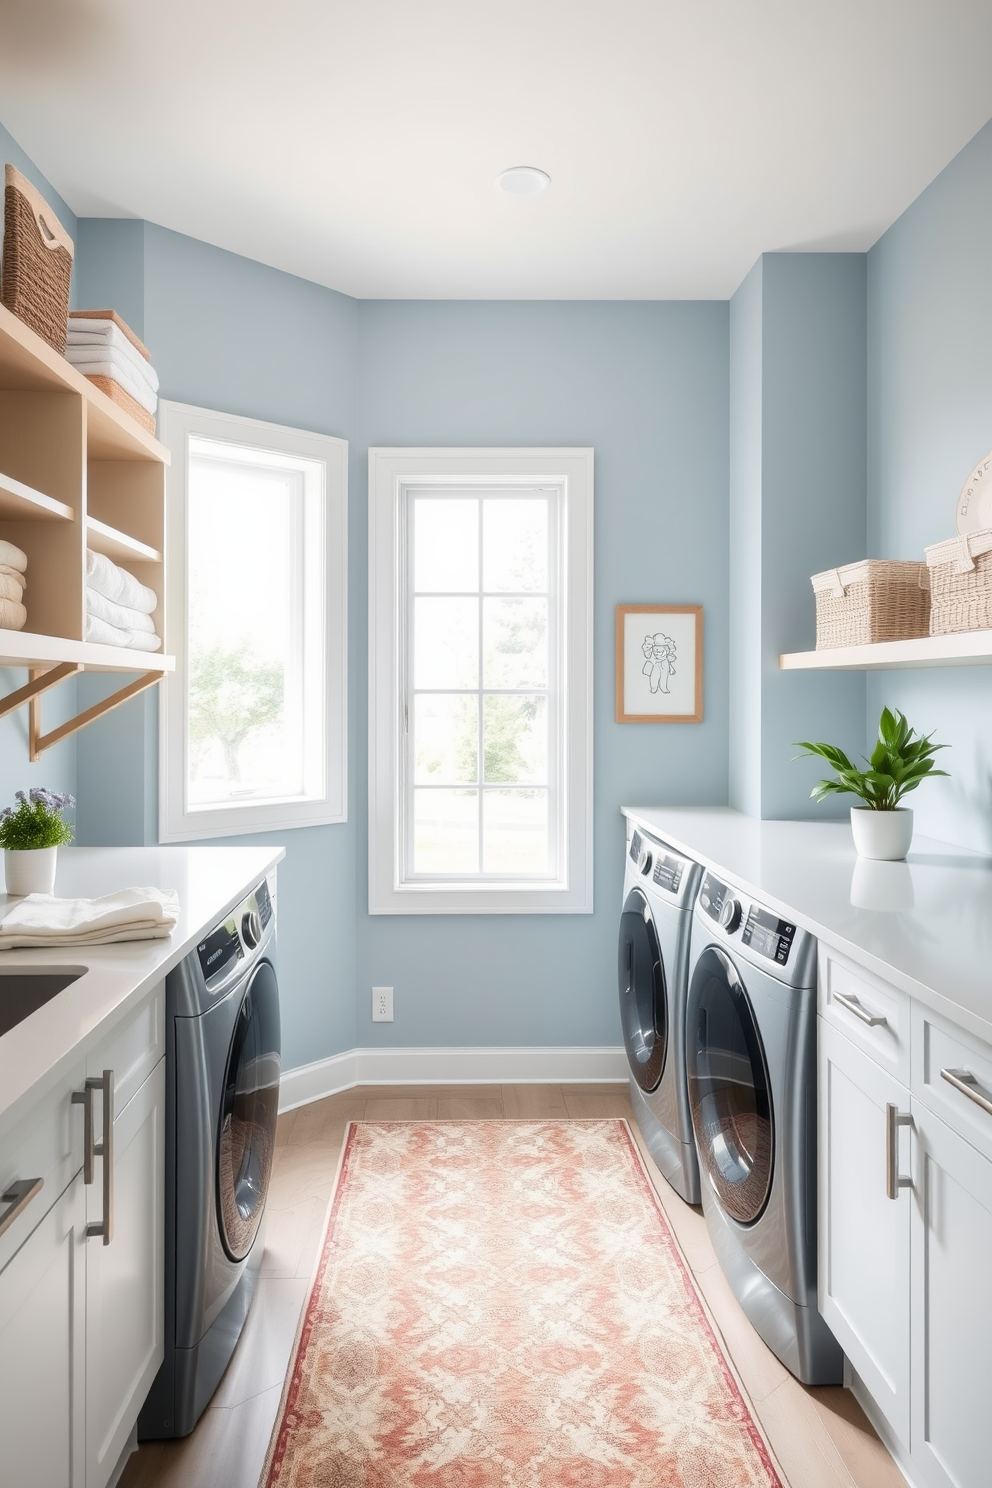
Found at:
[36, 820]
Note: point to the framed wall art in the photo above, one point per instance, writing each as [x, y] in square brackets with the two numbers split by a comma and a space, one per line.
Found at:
[659, 663]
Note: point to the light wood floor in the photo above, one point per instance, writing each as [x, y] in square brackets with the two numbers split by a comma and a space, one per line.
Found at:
[821, 1436]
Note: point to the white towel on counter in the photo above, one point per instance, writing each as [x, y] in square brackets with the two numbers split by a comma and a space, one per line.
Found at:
[12, 557]
[93, 361]
[131, 914]
[115, 614]
[117, 584]
[101, 633]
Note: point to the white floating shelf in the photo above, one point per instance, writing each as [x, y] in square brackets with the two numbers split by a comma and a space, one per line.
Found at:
[22, 648]
[117, 545]
[23, 503]
[972, 648]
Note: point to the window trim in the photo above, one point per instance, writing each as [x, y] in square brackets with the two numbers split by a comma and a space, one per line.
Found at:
[391, 471]
[177, 422]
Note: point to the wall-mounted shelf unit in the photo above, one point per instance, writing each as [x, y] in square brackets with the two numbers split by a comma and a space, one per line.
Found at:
[970, 648]
[75, 470]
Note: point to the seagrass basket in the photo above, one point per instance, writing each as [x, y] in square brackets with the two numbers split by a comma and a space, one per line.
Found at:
[878, 599]
[961, 583]
[37, 261]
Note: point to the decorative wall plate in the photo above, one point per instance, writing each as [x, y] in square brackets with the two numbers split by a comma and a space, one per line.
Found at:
[975, 501]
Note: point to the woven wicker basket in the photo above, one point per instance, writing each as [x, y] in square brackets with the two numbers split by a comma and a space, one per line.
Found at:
[37, 261]
[961, 583]
[874, 600]
[123, 399]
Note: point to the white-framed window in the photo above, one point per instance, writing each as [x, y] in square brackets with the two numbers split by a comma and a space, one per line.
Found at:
[253, 720]
[480, 681]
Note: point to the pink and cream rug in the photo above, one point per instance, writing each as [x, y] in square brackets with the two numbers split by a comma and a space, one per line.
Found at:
[501, 1304]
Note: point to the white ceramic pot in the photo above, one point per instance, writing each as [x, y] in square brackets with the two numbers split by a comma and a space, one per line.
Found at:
[882, 834]
[30, 871]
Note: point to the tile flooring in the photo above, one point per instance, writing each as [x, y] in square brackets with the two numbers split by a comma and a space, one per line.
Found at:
[821, 1436]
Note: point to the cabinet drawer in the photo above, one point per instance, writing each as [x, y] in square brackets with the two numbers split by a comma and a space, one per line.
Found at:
[965, 1099]
[134, 1048]
[47, 1143]
[872, 1014]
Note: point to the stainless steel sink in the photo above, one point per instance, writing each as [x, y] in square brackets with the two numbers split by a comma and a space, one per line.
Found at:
[23, 992]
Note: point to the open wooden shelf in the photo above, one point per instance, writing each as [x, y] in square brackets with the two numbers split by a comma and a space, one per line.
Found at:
[971, 648]
[113, 543]
[21, 502]
[21, 648]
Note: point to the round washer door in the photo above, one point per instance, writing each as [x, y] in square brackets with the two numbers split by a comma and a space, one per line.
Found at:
[729, 1091]
[643, 993]
[249, 1106]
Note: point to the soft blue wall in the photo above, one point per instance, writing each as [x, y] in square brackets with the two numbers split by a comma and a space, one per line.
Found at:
[646, 385]
[797, 399]
[930, 420]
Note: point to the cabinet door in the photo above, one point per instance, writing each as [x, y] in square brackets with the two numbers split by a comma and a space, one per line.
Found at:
[125, 1279]
[864, 1236]
[952, 1307]
[41, 1351]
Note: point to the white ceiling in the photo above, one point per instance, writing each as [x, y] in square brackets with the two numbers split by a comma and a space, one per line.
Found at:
[356, 142]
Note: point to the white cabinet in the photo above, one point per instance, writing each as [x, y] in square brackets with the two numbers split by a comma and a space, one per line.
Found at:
[81, 1324]
[864, 1236]
[124, 1290]
[905, 1237]
[951, 1306]
[41, 1350]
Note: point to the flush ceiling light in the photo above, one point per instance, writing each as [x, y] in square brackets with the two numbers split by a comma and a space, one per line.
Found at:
[523, 180]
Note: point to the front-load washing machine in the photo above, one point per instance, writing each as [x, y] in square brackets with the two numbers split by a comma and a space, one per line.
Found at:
[751, 1066]
[659, 888]
[222, 1095]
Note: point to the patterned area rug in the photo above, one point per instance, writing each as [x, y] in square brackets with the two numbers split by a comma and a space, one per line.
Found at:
[502, 1304]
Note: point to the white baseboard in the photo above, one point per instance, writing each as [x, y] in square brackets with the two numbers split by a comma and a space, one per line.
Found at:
[530, 1066]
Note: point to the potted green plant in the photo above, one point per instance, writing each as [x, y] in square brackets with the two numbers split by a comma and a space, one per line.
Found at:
[31, 834]
[900, 761]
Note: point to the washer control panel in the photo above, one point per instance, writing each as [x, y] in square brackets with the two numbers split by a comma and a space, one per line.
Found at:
[768, 935]
[220, 952]
[712, 896]
[664, 868]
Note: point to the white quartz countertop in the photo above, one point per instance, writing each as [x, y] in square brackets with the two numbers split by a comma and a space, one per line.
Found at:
[210, 882]
[924, 925]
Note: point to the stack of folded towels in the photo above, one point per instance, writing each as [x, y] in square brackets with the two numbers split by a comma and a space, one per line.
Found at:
[118, 609]
[108, 352]
[13, 566]
[131, 914]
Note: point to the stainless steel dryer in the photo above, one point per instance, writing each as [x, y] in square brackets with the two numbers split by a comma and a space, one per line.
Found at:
[659, 888]
[222, 1097]
[751, 1064]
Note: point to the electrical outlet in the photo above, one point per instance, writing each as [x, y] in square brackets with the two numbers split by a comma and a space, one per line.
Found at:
[382, 1004]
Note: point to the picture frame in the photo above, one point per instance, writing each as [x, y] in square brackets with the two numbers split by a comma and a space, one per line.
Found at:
[659, 663]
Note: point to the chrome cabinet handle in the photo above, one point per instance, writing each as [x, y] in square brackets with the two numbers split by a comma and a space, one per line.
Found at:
[894, 1119]
[854, 1006]
[17, 1198]
[105, 1151]
[965, 1081]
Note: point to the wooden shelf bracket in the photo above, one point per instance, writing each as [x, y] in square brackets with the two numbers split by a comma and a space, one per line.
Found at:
[41, 681]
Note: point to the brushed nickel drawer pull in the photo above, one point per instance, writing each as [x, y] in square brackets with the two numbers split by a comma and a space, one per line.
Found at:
[854, 1006]
[17, 1198]
[894, 1119]
[965, 1081]
[84, 1098]
[105, 1151]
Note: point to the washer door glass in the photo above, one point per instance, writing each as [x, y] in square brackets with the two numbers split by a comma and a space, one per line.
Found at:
[729, 1093]
[248, 1113]
[643, 994]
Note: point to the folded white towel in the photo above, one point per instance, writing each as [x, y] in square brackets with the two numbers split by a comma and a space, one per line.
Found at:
[98, 363]
[129, 363]
[82, 331]
[115, 614]
[10, 588]
[117, 584]
[12, 557]
[101, 633]
[19, 578]
[131, 914]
